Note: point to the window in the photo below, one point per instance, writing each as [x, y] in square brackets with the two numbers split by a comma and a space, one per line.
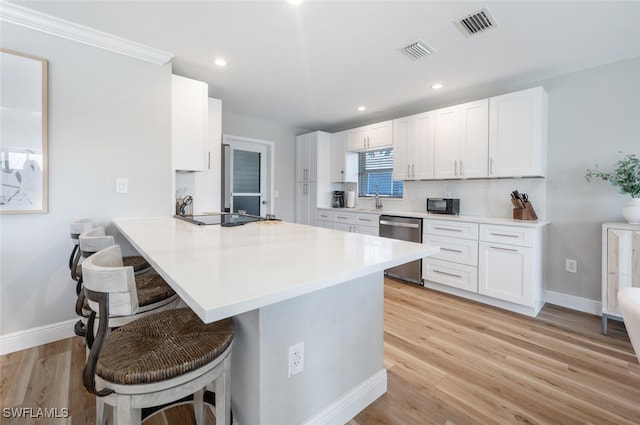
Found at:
[376, 168]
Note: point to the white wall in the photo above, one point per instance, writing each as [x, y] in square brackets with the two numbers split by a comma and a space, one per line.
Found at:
[284, 138]
[109, 117]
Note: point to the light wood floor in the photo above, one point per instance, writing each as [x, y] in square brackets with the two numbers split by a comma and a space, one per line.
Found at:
[449, 361]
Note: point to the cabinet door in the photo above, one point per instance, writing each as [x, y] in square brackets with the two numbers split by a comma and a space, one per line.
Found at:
[506, 272]
[474, 139]
[447, 143]
[356, 139]
[344, 164]
[518, 134]
[622, 267]
[402, 147]
[423, 146]
[306, 157]
[306, 195]
[207, 191]
[380, 135]
[189, 116]
[367, 230]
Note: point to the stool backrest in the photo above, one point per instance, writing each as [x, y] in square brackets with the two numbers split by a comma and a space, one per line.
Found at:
[94, 240]
[78, 227]
[104, 272]
[629, 302]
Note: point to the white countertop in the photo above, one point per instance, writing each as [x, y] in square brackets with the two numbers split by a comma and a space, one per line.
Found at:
[224, 271]
[466, 218]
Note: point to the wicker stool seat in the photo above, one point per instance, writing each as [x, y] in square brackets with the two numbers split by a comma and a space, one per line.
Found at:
[162, 346]
[139, 264]
[151, 287]
[154, 361]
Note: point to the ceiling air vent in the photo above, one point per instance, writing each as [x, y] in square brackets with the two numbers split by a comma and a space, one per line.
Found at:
[477, 22]
[418, 50]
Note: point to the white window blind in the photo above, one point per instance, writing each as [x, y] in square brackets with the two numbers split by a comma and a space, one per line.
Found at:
[376, 168]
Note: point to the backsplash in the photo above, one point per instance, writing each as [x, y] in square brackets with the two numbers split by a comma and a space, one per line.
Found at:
[482, 197]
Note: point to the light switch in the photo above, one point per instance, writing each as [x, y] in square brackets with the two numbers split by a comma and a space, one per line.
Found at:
[122, 185]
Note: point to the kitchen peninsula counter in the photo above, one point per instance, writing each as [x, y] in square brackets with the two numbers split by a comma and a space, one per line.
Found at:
[284, 283]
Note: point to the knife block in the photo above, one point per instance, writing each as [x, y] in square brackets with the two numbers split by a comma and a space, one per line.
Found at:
[526, 213]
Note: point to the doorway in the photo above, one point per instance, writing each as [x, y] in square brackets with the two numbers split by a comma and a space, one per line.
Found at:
[248, 175]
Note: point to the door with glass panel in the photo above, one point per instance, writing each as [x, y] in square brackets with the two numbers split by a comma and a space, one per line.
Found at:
[247, 171]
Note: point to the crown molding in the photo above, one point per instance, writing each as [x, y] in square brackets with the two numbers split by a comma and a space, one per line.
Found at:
[18, 15]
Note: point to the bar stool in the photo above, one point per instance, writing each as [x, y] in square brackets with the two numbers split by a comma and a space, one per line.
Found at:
[158, 359]
[76, 229]
[152, 291]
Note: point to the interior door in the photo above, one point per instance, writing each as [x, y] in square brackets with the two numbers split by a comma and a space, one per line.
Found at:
[248, 177]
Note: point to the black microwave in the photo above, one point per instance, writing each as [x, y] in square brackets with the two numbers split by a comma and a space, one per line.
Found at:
[443, 206]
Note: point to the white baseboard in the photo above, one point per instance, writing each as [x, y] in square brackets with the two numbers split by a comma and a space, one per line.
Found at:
[352, 402]
[574, 303]
[33, 337]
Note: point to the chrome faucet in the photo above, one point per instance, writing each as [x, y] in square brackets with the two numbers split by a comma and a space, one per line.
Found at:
[378, 200]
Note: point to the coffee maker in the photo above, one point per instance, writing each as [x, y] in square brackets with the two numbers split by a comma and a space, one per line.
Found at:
[338, 199]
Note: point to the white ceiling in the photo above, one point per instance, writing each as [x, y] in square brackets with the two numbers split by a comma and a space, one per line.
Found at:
[311, 65]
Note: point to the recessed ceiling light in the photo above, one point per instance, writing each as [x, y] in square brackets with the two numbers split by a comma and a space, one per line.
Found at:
[220, 62]
[361, 108]
[294, 2]
[437, 86]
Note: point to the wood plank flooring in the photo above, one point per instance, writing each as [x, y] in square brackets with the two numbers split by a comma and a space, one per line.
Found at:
[450, 362]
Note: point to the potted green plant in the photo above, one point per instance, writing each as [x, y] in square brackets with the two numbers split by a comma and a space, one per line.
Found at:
[626, 176]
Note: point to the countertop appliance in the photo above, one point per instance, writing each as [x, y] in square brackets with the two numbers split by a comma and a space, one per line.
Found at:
[443, 206]
[224, 219]
[406, 229]
[338, 199]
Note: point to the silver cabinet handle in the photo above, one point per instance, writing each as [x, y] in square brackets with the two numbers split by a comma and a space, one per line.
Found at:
[396, 224]
[455, 168]
[447, 274]
[504, 235]
[448, 229]
[450, 250]
[341, 217]
[208, 160]
[499, 248]
[413, 170]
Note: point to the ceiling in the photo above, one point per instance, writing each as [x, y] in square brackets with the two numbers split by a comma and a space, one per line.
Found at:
[310, 66]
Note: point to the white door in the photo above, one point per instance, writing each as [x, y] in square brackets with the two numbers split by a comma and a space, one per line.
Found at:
[248, 176]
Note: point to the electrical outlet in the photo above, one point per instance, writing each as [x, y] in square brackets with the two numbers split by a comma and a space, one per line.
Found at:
[296, 359]
[122, 185]
[571, 266]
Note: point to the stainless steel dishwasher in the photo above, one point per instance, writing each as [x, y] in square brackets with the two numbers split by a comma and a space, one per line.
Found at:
[406, 229]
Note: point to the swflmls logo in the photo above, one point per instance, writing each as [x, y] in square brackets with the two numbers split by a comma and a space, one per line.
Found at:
[40, 412]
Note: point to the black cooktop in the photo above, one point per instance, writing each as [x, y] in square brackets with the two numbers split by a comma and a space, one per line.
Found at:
[223, 219]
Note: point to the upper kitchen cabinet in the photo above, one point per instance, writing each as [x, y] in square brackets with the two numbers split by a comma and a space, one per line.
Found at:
[313, 188]
[518, 134]
[374, 136]
[413, 145]
[461, 141]
[344, 165]
[189, 115]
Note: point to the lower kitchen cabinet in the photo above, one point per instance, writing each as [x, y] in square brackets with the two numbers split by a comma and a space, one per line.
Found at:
[348, 221]
[497, 264]
[620, 265]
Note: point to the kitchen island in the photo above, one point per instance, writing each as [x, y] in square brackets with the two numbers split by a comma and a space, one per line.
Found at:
[284, 283]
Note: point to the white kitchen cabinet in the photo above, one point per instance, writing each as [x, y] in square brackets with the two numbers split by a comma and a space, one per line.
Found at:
[509, 267]
[374, 136]
[498, 264]
[456, 265]
[413, 147]
[349, 221]
[189, 116]
[620, 265]
[518, 134]
[344, 164]
[207, 191]
[313, 186]
[461, 141]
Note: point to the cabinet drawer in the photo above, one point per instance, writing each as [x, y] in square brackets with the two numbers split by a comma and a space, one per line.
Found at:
[342, 217]
[367, 219]
[345, 227]
[453, 229]
[368, 230]
[464, 251]
[325, 215]
[455, 275]
[510, 235]
[325, 224]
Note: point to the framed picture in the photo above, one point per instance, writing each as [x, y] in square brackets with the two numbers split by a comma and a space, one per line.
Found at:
[23, 133]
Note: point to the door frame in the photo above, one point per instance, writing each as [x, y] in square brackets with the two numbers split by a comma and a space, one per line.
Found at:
[227, 140]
